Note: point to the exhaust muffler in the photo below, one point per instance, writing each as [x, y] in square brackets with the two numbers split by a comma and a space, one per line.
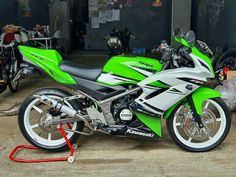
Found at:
[73, 115]
[59, 106]
[12, 111]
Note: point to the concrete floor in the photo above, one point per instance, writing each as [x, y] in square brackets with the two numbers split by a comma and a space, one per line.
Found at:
[103, 155]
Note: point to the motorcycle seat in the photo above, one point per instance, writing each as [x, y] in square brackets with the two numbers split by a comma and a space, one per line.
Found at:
[81, 72]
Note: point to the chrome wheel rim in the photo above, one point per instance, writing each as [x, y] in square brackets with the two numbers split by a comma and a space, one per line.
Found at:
[188, 131]
[46, 136]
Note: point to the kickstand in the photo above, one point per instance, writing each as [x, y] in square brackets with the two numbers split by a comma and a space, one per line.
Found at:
[69, 158]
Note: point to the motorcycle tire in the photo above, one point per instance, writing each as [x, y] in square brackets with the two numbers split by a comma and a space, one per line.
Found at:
[190, 137]
[31, 134]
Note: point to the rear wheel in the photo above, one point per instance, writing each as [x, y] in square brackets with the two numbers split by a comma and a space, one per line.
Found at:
[186, 132]
[33, 113]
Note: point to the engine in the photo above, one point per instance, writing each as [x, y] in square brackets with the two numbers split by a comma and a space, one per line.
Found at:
[122, 112]
[125, 114]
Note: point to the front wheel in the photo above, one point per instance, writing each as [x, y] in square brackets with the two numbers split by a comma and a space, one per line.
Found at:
[186, 132]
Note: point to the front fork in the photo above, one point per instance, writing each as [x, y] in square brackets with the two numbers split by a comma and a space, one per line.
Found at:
[196, 116]
[196, 100]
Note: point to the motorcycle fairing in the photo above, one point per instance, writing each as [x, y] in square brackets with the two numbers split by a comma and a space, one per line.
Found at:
[48, 61]
[128, 70]
[203, 58]
[154, 123]
[178, 80]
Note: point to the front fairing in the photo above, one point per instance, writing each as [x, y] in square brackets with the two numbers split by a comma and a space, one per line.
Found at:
[204, 58]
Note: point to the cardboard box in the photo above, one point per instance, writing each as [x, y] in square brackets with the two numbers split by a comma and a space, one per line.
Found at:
[231, 75]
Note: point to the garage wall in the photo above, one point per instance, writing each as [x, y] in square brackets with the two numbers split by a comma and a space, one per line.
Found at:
[9, 13]
[8, 9]
[216, 23]
[55, 16]
[40, 14]
[150, 24]
[181, 14]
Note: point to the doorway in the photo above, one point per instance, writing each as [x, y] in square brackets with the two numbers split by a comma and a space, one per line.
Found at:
[80, 19]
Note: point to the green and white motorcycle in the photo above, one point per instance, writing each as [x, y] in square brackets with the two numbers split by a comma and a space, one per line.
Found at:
[128, 96]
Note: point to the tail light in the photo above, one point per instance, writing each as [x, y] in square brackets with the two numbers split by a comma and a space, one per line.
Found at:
[9, 38]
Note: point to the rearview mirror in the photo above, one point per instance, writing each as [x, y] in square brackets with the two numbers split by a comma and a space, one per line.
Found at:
[177, 31]
[190, 38]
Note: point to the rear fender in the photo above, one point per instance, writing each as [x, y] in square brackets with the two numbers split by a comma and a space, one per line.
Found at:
[48, 61]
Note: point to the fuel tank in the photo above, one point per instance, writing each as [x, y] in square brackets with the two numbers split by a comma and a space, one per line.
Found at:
[128, 69]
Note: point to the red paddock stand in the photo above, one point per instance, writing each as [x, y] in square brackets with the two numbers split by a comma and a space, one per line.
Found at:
[69, 158]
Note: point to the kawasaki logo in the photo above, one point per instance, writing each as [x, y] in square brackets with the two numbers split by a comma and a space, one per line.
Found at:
[146, 64]
[140, 133]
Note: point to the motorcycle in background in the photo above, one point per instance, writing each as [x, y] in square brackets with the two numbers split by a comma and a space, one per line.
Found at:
[14, 34]
[9, 67]
[12, 69]
[226, 62]
[118, 42]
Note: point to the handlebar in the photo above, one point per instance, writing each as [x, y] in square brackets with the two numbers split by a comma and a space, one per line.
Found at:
[184, 51]
[166, 55]
[161, 47]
